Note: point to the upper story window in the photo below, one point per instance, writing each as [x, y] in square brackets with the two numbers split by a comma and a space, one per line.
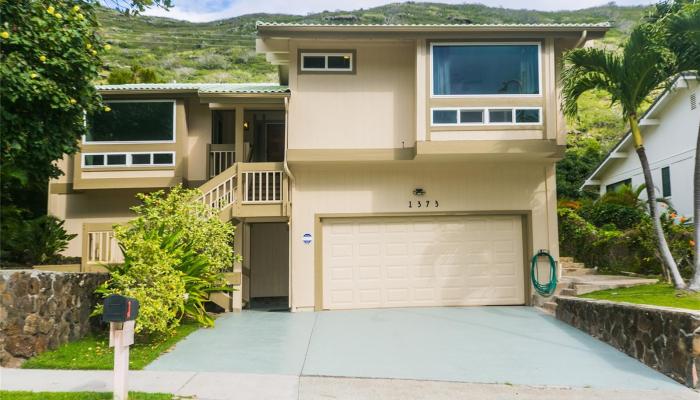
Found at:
[329, 62]
[133, 122]
[485, 69]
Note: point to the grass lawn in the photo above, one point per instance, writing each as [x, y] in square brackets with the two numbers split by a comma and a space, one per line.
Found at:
[11, 395]
[659, 294]
[93, 352]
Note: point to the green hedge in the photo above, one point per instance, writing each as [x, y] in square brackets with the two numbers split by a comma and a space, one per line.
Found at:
[613, 250]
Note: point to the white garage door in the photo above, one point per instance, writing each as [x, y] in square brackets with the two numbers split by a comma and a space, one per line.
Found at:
[422, 261]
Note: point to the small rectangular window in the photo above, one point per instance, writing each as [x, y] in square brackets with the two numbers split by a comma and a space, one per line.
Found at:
[141, 159]
[116, 159]
[501, 116]
[313, 62]
[93, 159]
[666, 181]
[471, 116]
[444, 116]
[339, 62]
[614, 187]
[527, 116]
[162, 158]
[316, 61]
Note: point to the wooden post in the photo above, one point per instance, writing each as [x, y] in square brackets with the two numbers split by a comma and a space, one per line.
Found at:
[121, 336]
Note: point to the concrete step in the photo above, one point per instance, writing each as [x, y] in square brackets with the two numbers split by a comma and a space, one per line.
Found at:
[578, 271]
[566, 259]
[568, 292]
[550, 306]
[572, 265]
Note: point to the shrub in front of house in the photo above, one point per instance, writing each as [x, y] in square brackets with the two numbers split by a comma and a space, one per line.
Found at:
[175, 251]
[616, 239]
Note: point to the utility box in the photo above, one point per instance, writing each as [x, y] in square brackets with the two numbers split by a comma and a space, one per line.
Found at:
[119, 308]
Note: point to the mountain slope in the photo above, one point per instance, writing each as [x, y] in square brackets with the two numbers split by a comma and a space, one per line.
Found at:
[223, 51]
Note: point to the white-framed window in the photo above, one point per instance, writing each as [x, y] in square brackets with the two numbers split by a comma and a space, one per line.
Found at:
[128, 159]
[485, 69]
[311, 61]
[132, 121]
[461, 116]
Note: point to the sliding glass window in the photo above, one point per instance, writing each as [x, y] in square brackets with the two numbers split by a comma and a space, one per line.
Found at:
[133, 121]
[485, 69]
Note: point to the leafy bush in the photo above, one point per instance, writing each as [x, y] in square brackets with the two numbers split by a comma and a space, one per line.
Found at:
[34, 241]
[174, 254]
[614, 250]
[600, 213]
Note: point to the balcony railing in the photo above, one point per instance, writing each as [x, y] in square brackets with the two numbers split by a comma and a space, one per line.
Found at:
[102, 248]
[247, 189]
[262, 187]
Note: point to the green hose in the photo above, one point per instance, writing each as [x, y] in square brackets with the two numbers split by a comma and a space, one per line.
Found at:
[548, 288]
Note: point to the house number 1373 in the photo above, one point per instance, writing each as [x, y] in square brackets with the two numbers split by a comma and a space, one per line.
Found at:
[423, 204]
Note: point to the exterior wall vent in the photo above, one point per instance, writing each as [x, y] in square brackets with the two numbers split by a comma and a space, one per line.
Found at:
[693, 101]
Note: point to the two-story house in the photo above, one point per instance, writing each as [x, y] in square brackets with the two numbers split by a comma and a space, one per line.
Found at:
[397, 166]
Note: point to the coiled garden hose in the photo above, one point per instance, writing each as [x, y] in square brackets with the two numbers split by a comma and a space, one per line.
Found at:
[546, 289]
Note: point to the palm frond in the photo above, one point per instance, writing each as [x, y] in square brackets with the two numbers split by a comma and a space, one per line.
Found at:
[587, 69]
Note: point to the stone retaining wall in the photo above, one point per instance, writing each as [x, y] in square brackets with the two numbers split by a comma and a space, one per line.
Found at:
[666, 339]
[43, 310]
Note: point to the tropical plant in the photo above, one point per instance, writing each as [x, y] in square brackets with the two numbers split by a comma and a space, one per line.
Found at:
[629, 76]
[35, 241]
[178, 209]
[174, 253]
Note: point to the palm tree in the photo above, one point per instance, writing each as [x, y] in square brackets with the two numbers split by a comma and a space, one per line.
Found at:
[629, 76]
[680, 25]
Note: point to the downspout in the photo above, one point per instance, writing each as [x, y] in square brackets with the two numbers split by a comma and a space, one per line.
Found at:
[289, 195]
[582, 39]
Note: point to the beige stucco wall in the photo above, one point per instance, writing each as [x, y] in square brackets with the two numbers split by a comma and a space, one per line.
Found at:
[198, 137]
[269, 259]
[95, 206]
[387, 188]
[373, 108]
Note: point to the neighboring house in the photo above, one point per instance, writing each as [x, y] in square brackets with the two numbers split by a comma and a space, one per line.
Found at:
[400, 165]
[670, 131]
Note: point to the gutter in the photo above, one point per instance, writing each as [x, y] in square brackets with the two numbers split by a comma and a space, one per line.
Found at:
[582, 39]
[289, 194]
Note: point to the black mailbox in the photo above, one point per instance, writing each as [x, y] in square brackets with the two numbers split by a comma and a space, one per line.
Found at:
[120, 308]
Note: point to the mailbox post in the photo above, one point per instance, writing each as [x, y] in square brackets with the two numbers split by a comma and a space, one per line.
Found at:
[120, 312]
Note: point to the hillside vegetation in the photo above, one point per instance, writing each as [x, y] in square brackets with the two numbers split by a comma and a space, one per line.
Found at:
[224, 51]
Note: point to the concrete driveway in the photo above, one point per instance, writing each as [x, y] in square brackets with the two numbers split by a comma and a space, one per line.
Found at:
[507, 345]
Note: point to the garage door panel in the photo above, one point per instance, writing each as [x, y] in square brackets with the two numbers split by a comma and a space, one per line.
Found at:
[422, 261]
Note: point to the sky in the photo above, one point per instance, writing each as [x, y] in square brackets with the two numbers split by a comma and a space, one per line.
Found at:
[209, 10]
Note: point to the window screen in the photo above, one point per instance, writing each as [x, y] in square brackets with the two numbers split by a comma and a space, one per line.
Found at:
[490, 69]
[501, 116]
[133, 122]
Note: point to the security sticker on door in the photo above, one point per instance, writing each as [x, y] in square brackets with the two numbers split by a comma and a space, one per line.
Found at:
[307, 238]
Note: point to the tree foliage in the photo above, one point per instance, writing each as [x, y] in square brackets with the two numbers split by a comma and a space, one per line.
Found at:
[50, 55]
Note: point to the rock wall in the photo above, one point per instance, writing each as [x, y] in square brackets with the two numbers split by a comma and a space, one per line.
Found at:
[43, 310]
[666, 339]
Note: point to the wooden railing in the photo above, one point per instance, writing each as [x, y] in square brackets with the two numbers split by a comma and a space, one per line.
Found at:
[221, 157]
[220, 192]
[262, 187]
[102, 248]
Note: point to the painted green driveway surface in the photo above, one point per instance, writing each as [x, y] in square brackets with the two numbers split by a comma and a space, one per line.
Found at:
[516, 345]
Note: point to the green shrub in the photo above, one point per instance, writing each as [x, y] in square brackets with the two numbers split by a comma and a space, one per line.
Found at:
[600, 213]
[174, 253]
[613, 250]
[35, 241]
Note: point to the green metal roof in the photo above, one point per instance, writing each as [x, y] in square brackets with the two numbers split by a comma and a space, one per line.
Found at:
[553, 25]
[202, 88]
